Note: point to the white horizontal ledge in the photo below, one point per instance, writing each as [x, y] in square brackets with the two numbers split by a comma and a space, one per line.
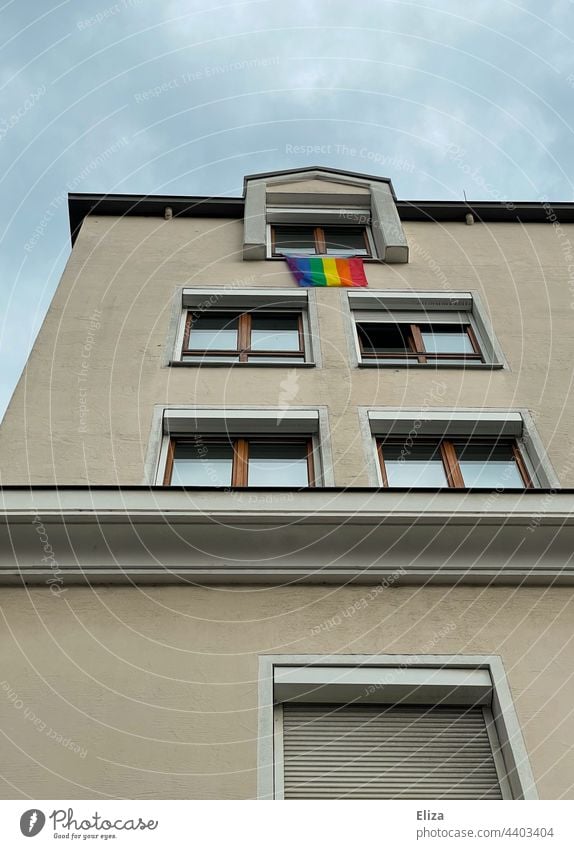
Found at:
[412, 685]
[277, 506]
[445, 423]
[161, 535]
[234, 298]
[425, 301]
[436, 365]
[240, 421]
[305, 215]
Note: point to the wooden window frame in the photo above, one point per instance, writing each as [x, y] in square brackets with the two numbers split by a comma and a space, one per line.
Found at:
[320, 239]
[416, 345]
[449, 457]
[243, 351]
[240, 446]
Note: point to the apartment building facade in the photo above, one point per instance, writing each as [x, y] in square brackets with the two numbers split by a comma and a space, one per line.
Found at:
[264, 540]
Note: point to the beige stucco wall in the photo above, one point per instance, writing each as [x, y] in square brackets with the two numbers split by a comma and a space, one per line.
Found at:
[158, 686]
[130, 269]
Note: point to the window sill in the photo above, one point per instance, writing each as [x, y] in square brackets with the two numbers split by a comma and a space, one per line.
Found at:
[207, 363]
[461, 366]
[367, 259]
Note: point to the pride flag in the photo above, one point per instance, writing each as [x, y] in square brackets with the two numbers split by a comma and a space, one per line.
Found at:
[327, 271]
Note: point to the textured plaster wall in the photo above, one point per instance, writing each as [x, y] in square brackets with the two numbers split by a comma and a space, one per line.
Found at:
[84, 415]
[158, 686]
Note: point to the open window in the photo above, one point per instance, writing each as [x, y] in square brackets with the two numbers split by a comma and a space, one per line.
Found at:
[427, 329]
[402, 343]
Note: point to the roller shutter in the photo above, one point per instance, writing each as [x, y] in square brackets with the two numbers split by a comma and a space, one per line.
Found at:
[382, 752]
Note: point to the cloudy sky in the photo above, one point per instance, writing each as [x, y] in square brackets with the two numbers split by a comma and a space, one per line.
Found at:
[187, 96]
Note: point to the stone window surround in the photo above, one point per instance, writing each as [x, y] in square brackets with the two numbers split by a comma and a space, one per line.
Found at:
[401, 303]
[463, 421]
[262, 208]
[236, 299]
[186, 420]
[384, 679]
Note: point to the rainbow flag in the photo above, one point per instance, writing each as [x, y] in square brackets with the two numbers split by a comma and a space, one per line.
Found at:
[327, 271]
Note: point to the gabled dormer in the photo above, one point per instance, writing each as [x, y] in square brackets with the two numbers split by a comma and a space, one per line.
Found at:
[322, 211]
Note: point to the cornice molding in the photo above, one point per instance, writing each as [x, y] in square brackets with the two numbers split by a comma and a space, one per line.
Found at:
[390, 538]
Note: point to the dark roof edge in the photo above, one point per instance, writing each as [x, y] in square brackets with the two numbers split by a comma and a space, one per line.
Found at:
[80, 205]
[46, 487]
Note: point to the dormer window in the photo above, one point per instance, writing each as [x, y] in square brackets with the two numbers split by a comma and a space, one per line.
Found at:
[330, 240]
[322, 212]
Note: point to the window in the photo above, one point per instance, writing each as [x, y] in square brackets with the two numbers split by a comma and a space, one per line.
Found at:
[240, 461]
[246, 327]
[329, 240]
[389, 727]
[447, 344]
[319, 198]
[483, 464]
[426, 329]
[265, 447]
[482, 448]
[248, 337]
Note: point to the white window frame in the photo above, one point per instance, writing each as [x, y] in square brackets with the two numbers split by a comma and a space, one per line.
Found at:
[442, 423]
[242, 300]
[309, 422]
[387, 307]
[384, 679]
